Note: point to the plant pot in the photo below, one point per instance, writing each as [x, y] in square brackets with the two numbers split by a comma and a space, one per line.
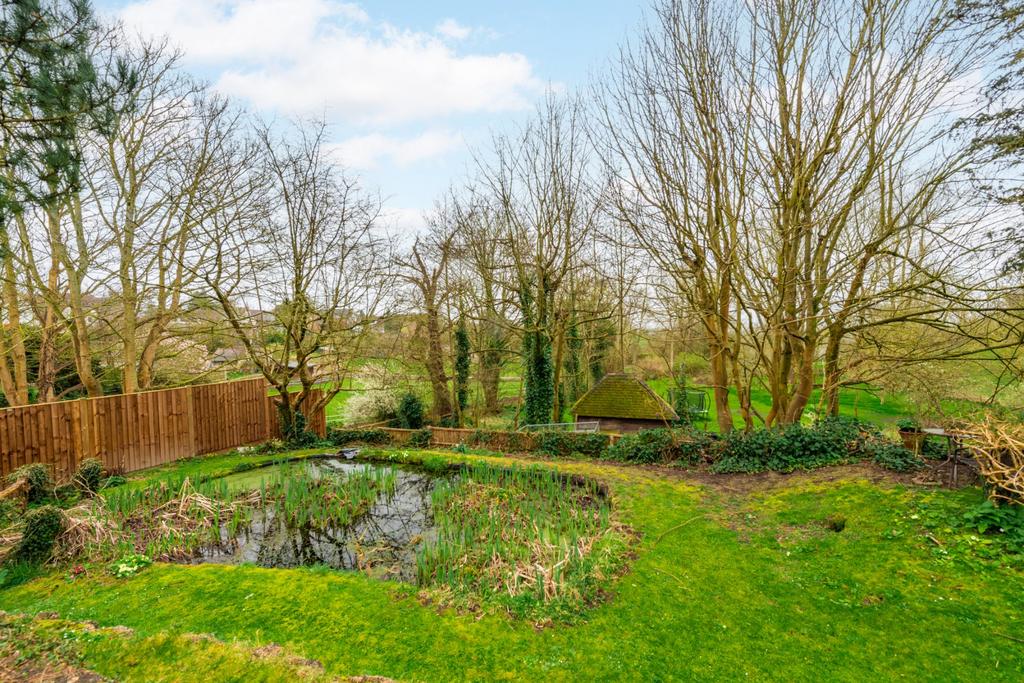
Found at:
[912, 440]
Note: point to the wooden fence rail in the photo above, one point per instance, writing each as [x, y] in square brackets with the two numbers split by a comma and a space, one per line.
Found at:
[135, 431]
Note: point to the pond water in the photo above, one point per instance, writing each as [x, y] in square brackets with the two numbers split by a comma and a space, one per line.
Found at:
[382, 541]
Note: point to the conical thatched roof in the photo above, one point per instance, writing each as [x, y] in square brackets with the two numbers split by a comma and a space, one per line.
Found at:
[626, 397]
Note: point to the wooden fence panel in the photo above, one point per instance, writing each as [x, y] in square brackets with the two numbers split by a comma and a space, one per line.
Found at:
[230, 414]
[137, 431]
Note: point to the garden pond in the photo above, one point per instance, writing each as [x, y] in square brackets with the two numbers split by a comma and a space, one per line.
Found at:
[382, 539]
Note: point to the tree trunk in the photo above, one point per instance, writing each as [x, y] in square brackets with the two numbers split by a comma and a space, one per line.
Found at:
[13, 363]
[435, 365]
[46, 375]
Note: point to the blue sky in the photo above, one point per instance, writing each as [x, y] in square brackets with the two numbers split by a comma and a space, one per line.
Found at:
[406, 85]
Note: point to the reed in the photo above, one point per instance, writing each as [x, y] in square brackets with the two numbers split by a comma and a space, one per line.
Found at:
[524, 538]
[177, 518]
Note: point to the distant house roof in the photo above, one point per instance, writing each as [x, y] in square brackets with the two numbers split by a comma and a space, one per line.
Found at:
[228, 355]
[626, 397]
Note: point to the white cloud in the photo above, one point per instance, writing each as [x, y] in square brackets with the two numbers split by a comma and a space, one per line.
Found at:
[369, 151]
[404, 221]
[324, 56]
[449, 28]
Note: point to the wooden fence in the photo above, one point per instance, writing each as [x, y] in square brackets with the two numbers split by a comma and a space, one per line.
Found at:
[135, 431]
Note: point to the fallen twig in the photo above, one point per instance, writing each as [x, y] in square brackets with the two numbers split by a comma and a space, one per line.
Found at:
[675, 528]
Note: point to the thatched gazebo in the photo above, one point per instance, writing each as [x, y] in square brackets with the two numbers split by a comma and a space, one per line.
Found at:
[622, 403]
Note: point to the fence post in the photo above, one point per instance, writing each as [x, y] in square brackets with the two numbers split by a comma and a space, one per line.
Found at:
[190, 416]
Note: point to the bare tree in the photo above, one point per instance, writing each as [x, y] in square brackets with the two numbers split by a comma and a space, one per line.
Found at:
[539, 183]
[425, 269]
[295, 262]
[744, 138]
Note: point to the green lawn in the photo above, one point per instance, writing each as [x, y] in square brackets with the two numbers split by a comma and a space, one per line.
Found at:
[725, 586]
[862, 402]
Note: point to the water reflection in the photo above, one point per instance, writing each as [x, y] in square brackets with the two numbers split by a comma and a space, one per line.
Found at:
[383, 541]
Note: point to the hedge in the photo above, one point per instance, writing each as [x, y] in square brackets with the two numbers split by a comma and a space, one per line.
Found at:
[344, 437]
[661, 446]
[570, 443]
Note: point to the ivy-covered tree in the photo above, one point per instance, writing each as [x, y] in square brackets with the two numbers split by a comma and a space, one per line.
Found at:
[538, 376]
[602, 340]
[574, 384]
[462, 363]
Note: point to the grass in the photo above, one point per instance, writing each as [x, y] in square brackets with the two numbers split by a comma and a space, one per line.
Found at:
[723, 586]
[61, 649]
[862, 402]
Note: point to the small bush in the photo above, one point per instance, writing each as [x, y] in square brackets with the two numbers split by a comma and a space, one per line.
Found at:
[410, 412]
[40, 483]
[42, 527]
[372, 405]
[344, 437]
[89, 476]
[893, 456]
[660, 446]
[420, 438]
[130, 565]
[114, 480]
[271, 447]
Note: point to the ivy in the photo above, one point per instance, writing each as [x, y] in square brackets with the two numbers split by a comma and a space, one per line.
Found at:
[462, 364]
[538, 377]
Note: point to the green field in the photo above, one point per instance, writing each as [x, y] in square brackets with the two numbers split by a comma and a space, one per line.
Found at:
[863, 402]
[728, 582]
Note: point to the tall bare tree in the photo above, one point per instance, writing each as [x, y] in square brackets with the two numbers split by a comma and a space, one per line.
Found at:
[296, 262]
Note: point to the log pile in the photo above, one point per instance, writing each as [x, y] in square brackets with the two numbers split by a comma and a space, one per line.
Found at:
[999, 451]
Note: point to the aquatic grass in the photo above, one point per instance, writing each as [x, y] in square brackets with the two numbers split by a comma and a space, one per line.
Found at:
[175, 518]
[524, 539]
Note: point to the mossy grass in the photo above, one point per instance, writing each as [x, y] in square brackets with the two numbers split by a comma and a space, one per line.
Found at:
[60, 649]
[724, 585]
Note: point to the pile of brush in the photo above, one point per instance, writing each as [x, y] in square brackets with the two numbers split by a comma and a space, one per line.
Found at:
[999, 451]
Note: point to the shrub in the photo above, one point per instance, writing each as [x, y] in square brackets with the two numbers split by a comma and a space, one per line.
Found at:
[893, 456]
[567, 443]
[37, 475]
[908, 424]
[130, 565]
[373, 405]
[660, 446]
[271, 447]
[784, 449]
[114, 480]
[420, 438]
[344, 437]
[410, 411]
[42, 527]
[89, 476]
